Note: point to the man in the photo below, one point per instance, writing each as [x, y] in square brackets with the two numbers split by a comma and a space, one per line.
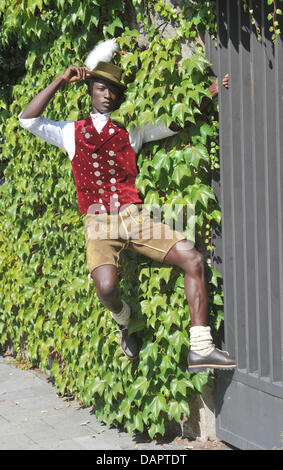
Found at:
[103, 158]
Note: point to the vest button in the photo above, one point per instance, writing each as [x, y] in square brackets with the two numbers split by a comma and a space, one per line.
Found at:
[113, 180]
[115, 196]
[97, 173]
[94, 155]
[99, 182]
[111, 131]
[96, 165]
[111, 153]
[111, 162]
[113, 188]
[101, 191]
[112, 172]
[87, 135]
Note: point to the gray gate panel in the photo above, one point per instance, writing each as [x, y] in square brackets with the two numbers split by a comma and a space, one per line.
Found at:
[279, 180]
[260, 208]
[255, 411]
[236, 230]
[250, 192]
[248, 222]
[272, 190]
[225, 129]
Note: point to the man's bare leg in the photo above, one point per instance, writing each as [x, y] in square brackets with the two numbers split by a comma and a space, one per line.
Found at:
[183, 255]
[106, 281]
[202, 353]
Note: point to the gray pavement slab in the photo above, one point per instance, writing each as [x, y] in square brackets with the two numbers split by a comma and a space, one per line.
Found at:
[34, 417]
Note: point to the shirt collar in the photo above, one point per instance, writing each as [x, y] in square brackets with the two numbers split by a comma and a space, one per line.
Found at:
[100, 117]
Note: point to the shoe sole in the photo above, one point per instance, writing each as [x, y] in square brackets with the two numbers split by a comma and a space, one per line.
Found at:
[130, 357]
[204, 367]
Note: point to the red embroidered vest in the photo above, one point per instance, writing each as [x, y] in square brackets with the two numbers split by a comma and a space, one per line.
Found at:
[104, 168]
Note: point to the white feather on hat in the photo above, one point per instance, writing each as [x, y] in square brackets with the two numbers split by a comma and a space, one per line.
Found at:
[103, 52]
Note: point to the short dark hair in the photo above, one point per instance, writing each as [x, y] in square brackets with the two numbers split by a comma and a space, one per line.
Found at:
[90, 85]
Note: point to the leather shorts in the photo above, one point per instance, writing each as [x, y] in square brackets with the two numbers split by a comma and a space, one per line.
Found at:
[133, 227]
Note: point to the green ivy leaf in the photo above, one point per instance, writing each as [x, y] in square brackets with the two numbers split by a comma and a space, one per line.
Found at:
[178, 112]
[202, 194]
[216, 215]
[161, 161]
[140, 385]
[158, 404]
[98, 387]
[180, 172]
[199, 380]
[111, 28]
[194, 154]
[150, 350]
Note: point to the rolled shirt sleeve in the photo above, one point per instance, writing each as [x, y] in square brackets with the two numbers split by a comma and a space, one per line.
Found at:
[148, 133]
[59, 133]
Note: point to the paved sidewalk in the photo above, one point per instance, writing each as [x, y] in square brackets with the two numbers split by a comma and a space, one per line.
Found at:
[33, 417]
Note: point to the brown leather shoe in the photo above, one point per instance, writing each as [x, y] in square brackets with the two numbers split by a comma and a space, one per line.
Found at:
[215, 360]
[130, 344]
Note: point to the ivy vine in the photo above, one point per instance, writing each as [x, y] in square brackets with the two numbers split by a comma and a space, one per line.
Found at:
[272, 18]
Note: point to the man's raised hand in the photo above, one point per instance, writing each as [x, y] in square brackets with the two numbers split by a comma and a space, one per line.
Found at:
[37, 105]
[214, 89]
[225, 81]
[74, 74]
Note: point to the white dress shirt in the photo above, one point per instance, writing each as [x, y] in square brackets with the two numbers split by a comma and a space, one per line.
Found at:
[62, 133]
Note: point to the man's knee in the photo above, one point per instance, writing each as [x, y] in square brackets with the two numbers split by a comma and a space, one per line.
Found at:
[106, 288]
[195, 262]
[187, 257]
[106, 282]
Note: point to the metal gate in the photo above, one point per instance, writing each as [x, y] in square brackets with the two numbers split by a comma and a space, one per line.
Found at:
[249, 402]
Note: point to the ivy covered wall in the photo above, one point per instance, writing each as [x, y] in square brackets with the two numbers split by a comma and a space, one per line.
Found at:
[46, 305]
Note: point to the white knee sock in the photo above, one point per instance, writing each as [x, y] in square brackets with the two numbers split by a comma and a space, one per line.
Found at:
[201, 340]
[122, 317]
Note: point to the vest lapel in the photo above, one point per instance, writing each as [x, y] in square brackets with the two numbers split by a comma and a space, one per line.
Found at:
[96, 139]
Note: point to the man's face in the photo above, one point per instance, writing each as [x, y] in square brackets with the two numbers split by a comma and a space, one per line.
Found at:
[105, 97]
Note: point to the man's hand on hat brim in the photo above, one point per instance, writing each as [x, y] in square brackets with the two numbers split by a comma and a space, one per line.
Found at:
[74, 74]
